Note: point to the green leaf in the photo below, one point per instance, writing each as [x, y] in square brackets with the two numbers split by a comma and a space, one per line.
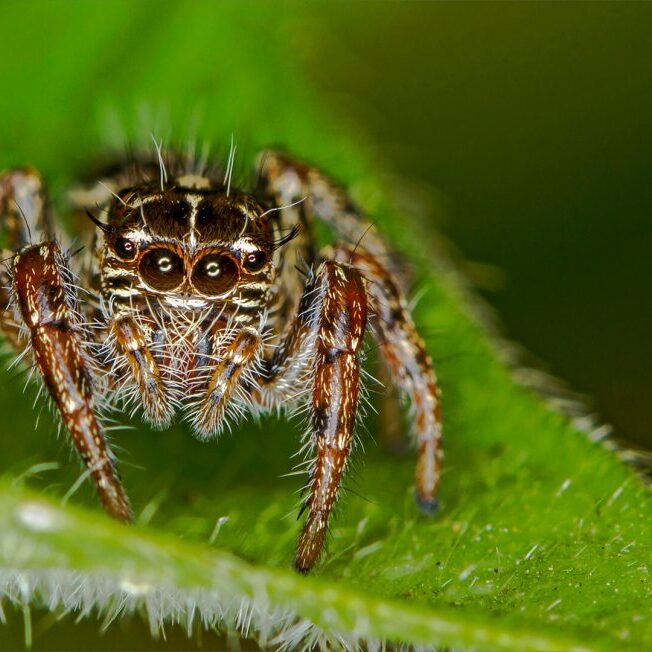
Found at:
[544, 534]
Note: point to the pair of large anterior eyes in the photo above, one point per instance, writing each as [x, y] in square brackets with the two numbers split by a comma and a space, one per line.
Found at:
[214, 273]
[162, 269]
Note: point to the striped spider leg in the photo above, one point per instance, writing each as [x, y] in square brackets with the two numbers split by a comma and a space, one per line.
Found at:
[355, 276]
[325, 339]
[47, 321]
[405, 354]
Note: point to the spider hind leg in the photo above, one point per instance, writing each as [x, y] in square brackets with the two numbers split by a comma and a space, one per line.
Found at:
[405, 355]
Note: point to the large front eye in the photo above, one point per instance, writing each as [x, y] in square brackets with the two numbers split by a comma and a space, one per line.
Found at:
[215, 274]
[161, 269]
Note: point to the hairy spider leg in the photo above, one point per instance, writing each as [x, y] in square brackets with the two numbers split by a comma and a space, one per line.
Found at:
[23, 207]
[292, 213]
[36, 276]
[342, 321]
[405, 354]
[327, 334]
[24, 219]
[44, 300]
[331, 204]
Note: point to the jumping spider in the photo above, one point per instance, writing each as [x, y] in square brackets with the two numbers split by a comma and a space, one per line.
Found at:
[191, 297]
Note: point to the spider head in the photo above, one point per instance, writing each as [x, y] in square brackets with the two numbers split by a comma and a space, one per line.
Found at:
[193, 242]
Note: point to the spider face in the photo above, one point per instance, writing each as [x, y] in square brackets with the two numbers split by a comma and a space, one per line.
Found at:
[212, 303]
[189, 242]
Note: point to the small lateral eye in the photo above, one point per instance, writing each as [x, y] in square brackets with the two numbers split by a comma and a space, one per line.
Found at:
[161, 269]
[215, 274]
[254, 260]
[126, 249]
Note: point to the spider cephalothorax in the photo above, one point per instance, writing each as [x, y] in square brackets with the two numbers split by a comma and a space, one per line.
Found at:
[188, 241]
[213, 302]
[190, 268]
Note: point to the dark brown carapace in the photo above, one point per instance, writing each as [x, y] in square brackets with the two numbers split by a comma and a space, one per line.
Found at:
[200, 299]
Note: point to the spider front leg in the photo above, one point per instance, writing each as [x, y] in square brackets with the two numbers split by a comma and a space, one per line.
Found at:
[330, 328]
[44, 302]
[341, 327]
[341, 324]
[405, 354]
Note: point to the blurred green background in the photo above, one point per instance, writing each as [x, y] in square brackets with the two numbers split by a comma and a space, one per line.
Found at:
[528, 125]
[534, 123]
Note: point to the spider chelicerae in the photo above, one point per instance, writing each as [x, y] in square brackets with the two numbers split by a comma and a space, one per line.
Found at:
[194, 296]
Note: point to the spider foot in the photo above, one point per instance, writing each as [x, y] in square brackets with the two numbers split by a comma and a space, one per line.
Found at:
[427, 506]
